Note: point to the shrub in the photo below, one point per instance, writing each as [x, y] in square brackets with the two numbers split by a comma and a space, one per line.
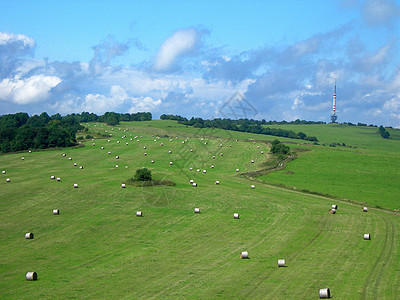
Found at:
[143, 174]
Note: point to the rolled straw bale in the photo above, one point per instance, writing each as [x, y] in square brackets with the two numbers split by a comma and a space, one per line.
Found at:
[194, 184]
[252, 186]
[190, 169]
[212, 167]
[237, 170]
[58, 179]
[80, 167]
[145, 154]
[334, 206]
[152, 161]
[170, 162]
[191, 181]
[22, 158]
[332, 211]
[367, 236]
[29, 235]
[117, 157]
[3, 172]
[281, 263]
[244, 255]
[236, 216]
[69, 158]
[56, 211]
[324, 293]
[64, 155]
[31, 276]
[74, 164]
[108, 152]
[52, 177]
[116, 166]
[75, 185]
[123, 185]
[365, 209]
[139, 214]
[197, 210]
[252, 161]
[204, 171]
[216, 182]
[8, 180]
[169, 151]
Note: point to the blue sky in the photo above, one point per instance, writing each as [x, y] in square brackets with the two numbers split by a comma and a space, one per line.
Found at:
[189, 57]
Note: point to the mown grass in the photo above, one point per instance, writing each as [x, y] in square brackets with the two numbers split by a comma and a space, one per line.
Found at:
[97, 248]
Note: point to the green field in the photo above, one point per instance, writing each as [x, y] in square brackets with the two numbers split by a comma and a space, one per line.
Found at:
[98, 248]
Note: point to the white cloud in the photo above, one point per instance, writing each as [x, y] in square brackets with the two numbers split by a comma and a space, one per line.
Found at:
[8, 38]
[180, 43]
[28, 90]
[380, 12]
[144, 104]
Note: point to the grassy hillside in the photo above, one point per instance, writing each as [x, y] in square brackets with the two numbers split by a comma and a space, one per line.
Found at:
[98, 248]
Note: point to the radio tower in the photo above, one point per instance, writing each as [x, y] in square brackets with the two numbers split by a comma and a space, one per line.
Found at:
[334, 116]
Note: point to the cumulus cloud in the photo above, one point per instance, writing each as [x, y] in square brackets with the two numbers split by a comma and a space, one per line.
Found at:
[179, 44]
[29, 90]
[380, 12]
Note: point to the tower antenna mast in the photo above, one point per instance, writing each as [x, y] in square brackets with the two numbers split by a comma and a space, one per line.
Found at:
[334, 116]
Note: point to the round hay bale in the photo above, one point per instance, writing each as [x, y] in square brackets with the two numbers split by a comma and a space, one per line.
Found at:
[262, 152]
[205, 143]
[64, 155]
[69, 158]
[152, 161]
[183, 142]
[221, 154]
[204, 171]
[29, 151]
[191, 181]
[367, 236]
[75, 185]
[108, 140]
[244, 255]
[144, 147]
[123, 185]
[191, 150]
[169, 151]
[332, 211]
[236, 216]
[3, 172]
[116, 166]
[93, 144]
[220, 145]
[237, 170]
[31, 276]
[334, 206]
[126, 144]
[145, 154]
[252, 161]
[118, 142]
[29, 235]
[52, 177]
[194, 184]
[126, 167]
[8, 180]
[139, 214]
[198, 170]
[230, 146]
[197, 210]
[74, 164]
[58, 179]
[117, 157]
[190, 169]
[213, 157]
[56, 211]
[217, 182]
[212, 167]
[170, 163]
[365, 209]
[281, 263]
[108, 152]
[252, 186]
[102, 148]
[22, 158]
[138, 141]
[81, 167]
[324, 293]
[258, 147]
[162, 144]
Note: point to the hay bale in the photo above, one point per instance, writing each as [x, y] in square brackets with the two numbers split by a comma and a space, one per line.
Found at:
[29, 235]
[236, 216]
[170, 163]
[252, 186]
[190, 169]
[197, 210]
[152, 161]
[93, 144]
[52, 177]
[123, 185]
[144, 147]
[22, 158]
[75, 185]
[194, 184]
[334, 206]
[252, 161]
[139, 214]
[324, 293]
[102, 148]
[117, 157]
[198, 170]
[191, 181]
[29, 151]
[212, 167]
[118, 142]
[217, 182]
[108, 152]
[69, 158]
[332, 211]
[237, 170]
[81, 167]
[58, 179]
[169, 151]
[281, 263]
[116, 166]
[64, 155]
[204, 171]
[8, 180]
[213, 157]
[367, 236]
[365, 209]
[145, 154]
[262, 152]
[191, 150]
[74, 164]
[244, 255]
[221, 154]
[162, 144]
[31, 276]
[126, 143]
[3, 172]
[56, 211]
[108, 140]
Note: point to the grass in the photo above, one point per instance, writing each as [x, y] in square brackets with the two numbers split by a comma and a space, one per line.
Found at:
[97, 248]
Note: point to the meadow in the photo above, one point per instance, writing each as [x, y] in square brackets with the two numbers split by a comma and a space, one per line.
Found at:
[98, 248]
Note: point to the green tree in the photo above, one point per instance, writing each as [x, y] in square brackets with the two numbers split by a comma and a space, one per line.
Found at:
[143, 174]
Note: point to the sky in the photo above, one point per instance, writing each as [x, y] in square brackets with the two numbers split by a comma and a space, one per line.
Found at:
[192, 58]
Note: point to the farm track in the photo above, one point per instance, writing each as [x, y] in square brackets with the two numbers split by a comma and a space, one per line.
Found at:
[380, 263]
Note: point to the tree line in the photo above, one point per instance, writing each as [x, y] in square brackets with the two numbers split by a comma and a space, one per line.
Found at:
[22, 132]
[242, 125]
